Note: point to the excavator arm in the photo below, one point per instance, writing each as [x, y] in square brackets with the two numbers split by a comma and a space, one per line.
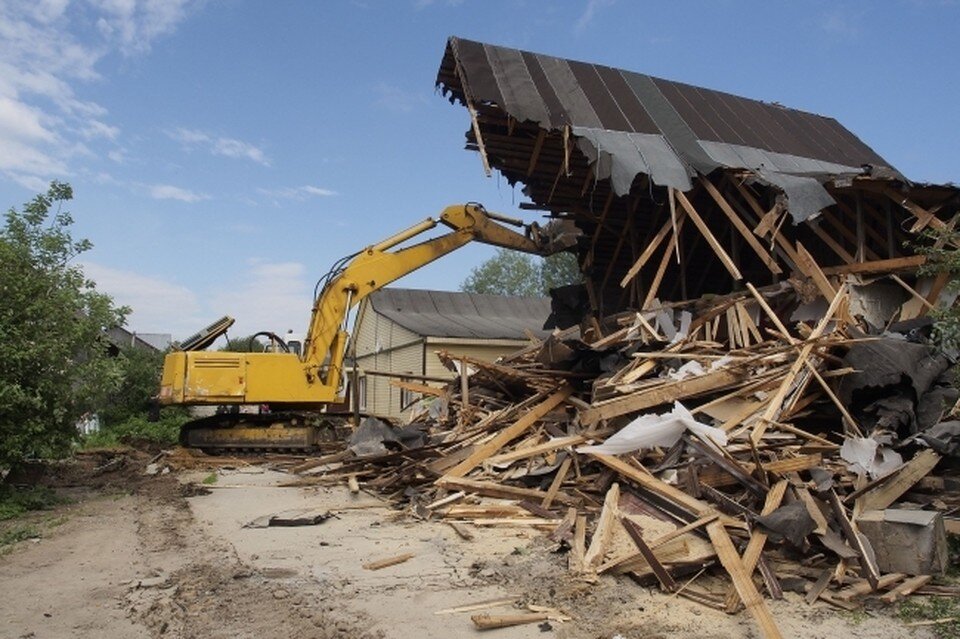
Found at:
[313, 379]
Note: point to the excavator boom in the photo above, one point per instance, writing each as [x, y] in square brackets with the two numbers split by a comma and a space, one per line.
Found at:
[312, 380]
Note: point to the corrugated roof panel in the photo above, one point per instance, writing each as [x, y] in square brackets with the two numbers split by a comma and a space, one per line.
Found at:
[463, 315]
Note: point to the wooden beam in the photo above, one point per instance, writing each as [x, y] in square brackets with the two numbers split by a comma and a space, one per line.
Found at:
[878, 266]
[730, 560]
[647, 253]
[738, 223]
[708, 235]
[535, 154]
[510, 433]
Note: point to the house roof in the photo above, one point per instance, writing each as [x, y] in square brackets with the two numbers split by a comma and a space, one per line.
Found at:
[628, 123]
[465, 315]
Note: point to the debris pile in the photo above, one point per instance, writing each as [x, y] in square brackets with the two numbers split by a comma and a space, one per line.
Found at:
[713, 447]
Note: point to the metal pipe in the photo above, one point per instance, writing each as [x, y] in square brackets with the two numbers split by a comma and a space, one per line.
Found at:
[403, 236]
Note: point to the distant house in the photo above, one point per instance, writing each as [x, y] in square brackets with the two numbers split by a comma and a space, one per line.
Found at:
[399, 331]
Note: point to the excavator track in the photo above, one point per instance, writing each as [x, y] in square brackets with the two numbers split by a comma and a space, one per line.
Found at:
[256, 433]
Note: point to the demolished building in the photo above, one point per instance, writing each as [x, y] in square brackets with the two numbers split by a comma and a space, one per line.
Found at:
[745, 400]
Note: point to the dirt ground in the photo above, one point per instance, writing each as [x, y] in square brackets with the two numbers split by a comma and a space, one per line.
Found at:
[167, 556]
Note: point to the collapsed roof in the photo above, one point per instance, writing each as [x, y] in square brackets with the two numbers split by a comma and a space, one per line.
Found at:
[463, 315]
[629, 157]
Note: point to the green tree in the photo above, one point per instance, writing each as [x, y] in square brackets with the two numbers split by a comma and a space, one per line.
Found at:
[942, 248]
[139, 381]
[514, 273]
[247, 344]
[54, 365]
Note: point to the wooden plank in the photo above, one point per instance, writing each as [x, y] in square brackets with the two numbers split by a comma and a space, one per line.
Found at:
[390, 561]
[557, 482]
[510, 433]
[758, 538]
[654, 286]
[647, 253]
[535, 153]
[868, 567]
[708, 235]
[491, 622]
[864, 587]
[663, 394]
[656, 486]
[812, 270]
[908, 586]
[819, 586]
[479, 605]
[663, 576]
[730, 560]
[738, 224]
[906, 476]
[539, 449]
[878, 266]
[602, 533]
[578, 547]
[500, 491]
[773, 408]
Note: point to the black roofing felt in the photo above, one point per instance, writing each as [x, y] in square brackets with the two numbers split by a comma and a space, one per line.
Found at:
[629, 123]
[467, 315]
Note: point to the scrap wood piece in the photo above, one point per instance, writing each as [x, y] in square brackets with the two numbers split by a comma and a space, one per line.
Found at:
[864, 587]
[564, 529]
[725, 259]
[533, 451]
[462, 531]
[657, 486]
[757, 539]
[636, 563]
[775, 405]
[557, 482]
[819, 586]
[648, 251]
[901, 480]
[662, 394]
[663, 575]
[511, 432]
[858, 542]
[490, 622]
[739, 224]
[908, 586]
[480, 605]
[609, 515]
[500, 491]
[578, 548]
[389, 561]
[730, 560]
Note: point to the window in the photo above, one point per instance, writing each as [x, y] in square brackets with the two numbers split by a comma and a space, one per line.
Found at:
[407, 397]
[362, 392]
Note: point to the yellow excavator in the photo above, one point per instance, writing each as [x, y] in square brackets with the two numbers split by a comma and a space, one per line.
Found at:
[295, 386]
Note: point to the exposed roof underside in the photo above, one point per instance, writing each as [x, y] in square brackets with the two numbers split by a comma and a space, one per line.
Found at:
[629, 124]
[466, 315]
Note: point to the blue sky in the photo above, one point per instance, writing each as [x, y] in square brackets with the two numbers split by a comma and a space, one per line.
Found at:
[224, 153]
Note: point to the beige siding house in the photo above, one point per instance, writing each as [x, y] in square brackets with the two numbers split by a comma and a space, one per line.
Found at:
[399, 331]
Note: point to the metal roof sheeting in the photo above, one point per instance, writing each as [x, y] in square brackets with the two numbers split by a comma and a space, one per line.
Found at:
[629, 123]
[466, 315]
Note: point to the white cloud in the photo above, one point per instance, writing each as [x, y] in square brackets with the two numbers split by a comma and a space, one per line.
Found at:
[168, 192]
[223, 146]
[274, 296]
[97, 129]
[590, 12]
[43, 58]
[158, 306]
[298, 193]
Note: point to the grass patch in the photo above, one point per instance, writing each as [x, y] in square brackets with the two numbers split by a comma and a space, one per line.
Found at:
[932, 609]
[17, 533]
[14, 502]
[210, 479]
[139, 430]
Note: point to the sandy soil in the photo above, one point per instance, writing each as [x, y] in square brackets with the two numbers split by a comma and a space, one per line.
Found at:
[157, 563]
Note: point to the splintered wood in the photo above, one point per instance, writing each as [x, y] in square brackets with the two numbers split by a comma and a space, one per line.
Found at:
[682, 443]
